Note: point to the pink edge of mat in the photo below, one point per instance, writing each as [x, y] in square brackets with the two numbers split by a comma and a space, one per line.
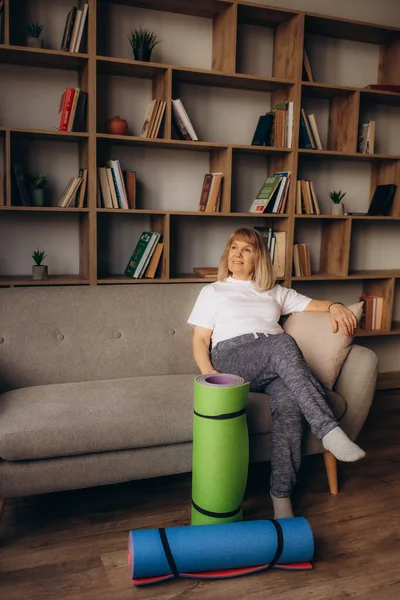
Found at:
[224, 574]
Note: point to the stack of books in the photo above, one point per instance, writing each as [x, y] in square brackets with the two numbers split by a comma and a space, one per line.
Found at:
[182, 128]
[146, 256]
[273, 194]
[309, 134]
[276, 245]
[210, 197]
[366, 138]
[72, 110]
[206, 272]
[372, 312]
[307, 71]
[74, 28]
[21, 185]
[153, 119]
[116, 188]
[306, 198]
[275, 128]
[70, 197]
[301, 260]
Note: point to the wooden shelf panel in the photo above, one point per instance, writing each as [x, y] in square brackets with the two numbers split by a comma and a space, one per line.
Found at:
[377, 333]
[50, 134]
[205, 8]
[251, 13]
[183, 213]
[380, 97]
[33, 57]
[51, 280]
[333, 154]
[325, 90]
[353, 217]
[357, 31]
[43, 209]
[129, 68]
[112, 279]
[353, 275]
[237, 81]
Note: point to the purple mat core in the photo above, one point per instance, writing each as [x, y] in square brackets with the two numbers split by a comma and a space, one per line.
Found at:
[219, 379]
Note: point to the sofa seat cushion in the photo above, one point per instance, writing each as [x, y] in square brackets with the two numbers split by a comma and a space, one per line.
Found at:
[115, 414]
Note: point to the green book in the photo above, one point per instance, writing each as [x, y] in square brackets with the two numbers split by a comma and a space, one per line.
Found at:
[138, 253]
[265, 194]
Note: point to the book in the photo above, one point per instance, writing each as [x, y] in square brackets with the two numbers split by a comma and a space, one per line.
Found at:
[22, 187]
[75, 30]
[262, 132]
[205, 191]
[104, 187]
[214, 193]
[308, 128]
[301, 260]
[154, 261]
[315, 132]
[69, 192]
[79, 122]
[263, 199]
[142, 254]
[179, 131]
[69, 26]
[382, 199]
[1, 21]
[280, 253]
[149, 117]
[366, 138]
[64, 110]
[384, 87]
[281, 191]
[81, 28]
[144, 261]
[158, 119]
[284, 111]
[82, 191]
[206, 272]
[130, 185]
[304, 136]
[307, 67]
[112, 188]
[183, 117]
[73, 109]
[119, 183]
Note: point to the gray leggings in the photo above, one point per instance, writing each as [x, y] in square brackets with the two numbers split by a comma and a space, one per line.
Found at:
[275, 365]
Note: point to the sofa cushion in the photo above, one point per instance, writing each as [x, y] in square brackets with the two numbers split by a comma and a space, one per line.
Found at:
[114, 414]
[324, 351]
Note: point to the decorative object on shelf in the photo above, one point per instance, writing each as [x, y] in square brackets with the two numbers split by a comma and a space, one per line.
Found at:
[39, 271]
[34, 40]
[337, 206]
[143, 42]
[117, 126]
[38, 183]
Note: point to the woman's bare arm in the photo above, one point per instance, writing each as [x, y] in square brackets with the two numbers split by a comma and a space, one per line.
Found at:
[201, 349]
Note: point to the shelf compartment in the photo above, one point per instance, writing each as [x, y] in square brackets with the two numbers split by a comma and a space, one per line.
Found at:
[380, 97]
[346, 29]
[387, 124]
[237, 81]
[375, 246]
[60, 234]
[42, 58]
[41, 154]
[117, 237]
[382, 288]
[268, 41]
[385, 172]
[51, 280]
[206, 8]
[336, 155]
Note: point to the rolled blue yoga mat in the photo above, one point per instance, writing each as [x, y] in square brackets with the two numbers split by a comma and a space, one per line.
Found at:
[219, 551]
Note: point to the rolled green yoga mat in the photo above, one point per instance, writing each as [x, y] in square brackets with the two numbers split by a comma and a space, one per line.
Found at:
[220, 448]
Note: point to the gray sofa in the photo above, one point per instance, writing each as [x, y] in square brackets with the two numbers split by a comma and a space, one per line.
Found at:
[96, 387]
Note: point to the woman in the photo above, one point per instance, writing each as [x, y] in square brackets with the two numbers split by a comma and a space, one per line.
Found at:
[238, 316]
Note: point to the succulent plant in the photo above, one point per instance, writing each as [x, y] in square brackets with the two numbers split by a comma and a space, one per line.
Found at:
[337, 197]
[34, 29]
[39, 181]
[143, 38]
[38, 256]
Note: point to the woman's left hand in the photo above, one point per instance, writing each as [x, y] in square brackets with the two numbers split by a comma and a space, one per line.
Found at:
[343, 317]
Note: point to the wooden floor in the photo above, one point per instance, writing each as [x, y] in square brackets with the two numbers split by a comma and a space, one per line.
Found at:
[73, 545]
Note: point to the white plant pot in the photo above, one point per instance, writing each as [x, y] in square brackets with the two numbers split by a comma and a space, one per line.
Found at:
[337, 209]
[39, 272]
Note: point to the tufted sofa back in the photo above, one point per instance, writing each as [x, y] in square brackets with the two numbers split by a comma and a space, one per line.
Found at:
[82, 333]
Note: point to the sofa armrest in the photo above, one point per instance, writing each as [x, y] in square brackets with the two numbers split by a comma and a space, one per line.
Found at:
[356, 384]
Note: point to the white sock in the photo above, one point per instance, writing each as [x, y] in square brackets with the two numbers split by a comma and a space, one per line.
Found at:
[282, 507]
[337, 442]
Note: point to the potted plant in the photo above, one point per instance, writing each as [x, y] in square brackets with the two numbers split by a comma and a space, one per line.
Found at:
[39, 271]
[34, 40]
[142, 41]
[337, 206]
[38, 183]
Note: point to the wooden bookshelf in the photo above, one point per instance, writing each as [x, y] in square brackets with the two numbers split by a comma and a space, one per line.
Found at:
[99, 70]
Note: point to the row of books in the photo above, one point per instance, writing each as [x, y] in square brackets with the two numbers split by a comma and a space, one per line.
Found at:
[275, 128]
[210, 197]
[153, 119]
[1, 21]
[301, 260]
[273, 194]
[309, 134]
[72, 110]
[306, 198]
[70, 197]
[372, 317]
[116, 188]
[366, 138]
[146, 256]
[276, 245]
[74, 28]
[182, 127]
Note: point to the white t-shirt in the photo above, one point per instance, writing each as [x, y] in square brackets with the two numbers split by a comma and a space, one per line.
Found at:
[233, 307]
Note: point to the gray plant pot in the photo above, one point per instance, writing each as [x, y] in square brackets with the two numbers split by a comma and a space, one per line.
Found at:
[337, 209]
[38, 196]
[39, 272]
[34, 42]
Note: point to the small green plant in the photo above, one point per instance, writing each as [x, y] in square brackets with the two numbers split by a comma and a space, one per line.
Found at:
[143, 38]
[39, 181]
[38, 256]
[337, 197]
[34, 30]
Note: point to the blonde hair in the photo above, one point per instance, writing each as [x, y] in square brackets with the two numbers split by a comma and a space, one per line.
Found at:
[264, 275]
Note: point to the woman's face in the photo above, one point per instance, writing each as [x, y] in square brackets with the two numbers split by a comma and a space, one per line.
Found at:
[241, 260]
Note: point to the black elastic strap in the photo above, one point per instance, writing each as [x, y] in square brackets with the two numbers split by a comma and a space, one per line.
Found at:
[233, 415]
[279, 547]
[168, 553]
[217, 515]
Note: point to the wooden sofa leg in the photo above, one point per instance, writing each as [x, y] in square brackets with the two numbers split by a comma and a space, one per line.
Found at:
[2, 503]
[331, 471]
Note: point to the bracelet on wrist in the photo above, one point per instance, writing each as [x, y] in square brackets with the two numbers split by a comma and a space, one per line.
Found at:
[332, 303]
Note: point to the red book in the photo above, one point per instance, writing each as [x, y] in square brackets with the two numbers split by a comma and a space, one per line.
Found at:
[65, 108]
[383, 87]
